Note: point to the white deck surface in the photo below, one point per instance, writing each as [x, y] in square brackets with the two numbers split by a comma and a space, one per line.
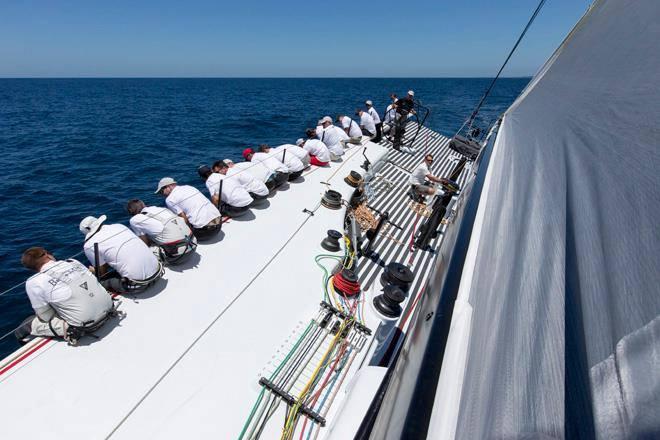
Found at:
[185, 361]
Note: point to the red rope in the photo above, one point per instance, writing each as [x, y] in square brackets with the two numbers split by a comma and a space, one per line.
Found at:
[344, 286]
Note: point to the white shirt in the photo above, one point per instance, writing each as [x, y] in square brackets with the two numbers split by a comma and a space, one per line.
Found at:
[152, 221]
[43, 290]
[291, 161]
[374, 115]
[270, 161]
[300, 153]
[70, 289]
[353, 127]
[256, 170]
[247, 180]
[122, 250]
[330, 136]
[390, 115]
[368, 122]
[188, 200]
[233, 192]
[418, 176]
[317, 148]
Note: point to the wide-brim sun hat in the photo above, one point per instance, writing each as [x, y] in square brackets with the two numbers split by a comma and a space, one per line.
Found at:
[162, 183]
[90, 224]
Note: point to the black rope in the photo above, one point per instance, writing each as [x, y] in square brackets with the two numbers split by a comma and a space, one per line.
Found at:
[492, 84]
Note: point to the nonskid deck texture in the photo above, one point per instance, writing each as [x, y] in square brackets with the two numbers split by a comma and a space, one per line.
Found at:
[390, 194]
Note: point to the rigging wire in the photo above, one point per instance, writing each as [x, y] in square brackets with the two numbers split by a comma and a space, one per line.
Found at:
[472, 117]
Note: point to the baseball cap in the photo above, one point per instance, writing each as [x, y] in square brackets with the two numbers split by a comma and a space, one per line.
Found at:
[411, 93]
[162, 183]
[300, 142]
[247, 152]
[327, 119]
[368, 102]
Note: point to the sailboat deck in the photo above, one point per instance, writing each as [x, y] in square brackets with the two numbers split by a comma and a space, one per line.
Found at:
[187, 359]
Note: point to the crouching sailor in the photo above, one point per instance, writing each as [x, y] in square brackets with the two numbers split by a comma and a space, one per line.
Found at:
[135, 266]
[233, 199]
[164, 229]
[66, 297]
[188, 203]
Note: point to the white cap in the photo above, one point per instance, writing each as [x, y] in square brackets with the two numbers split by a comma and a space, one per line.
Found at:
[368, 102]
[411, 93]
[300, 141]
[228, 161]
[320, 122]
[163, 183]
[89, 225]
[327, 119]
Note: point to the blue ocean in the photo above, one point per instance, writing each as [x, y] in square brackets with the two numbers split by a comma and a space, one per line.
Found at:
[78, 147]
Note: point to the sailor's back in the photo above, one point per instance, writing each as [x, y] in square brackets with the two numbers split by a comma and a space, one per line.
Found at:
[122, 250]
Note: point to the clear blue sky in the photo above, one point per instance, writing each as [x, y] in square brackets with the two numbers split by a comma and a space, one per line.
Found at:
[165, 38]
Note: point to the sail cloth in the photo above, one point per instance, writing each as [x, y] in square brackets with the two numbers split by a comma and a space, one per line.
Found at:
[565, 329]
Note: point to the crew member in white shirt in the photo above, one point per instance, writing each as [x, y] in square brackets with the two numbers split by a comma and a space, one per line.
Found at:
[257, 170]
[135, 265]
[187, 202]
[256, 188]
[290, 161]
[367, 123]
[301, 154]
[64, 295]
[420, 176]
[319, 154]
[334, 137]
[351, 127]
[279, 170]
[376, 117]
[163, 229]
[235, 199]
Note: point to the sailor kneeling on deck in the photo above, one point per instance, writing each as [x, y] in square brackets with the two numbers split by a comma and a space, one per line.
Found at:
[188, 203]
[294, 165]
[279, 172]
[319, 154]
[66, 297]
[163, 229]
[419, 176]
[233, 199]
[255, 187]
[135, 267]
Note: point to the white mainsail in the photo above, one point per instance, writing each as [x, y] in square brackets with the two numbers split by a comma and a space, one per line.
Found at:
[564, 338]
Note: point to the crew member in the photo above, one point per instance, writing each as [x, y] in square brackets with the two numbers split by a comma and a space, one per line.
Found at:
[235, 199]
[351, 127]
[257, 170]
[290, 161]
[421, 175]
[332, 136]
[66, 298]
[376, 117]
[135, 265]
[163, 229]
[256, 188]
[300, 153]
[279, 170]
[388, 120]
[367, 124]
[319, 154]
[188, 203]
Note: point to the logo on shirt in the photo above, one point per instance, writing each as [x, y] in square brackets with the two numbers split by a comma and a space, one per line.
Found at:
[84, 285]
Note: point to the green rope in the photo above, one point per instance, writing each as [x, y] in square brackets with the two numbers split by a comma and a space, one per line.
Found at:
[272, 376]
